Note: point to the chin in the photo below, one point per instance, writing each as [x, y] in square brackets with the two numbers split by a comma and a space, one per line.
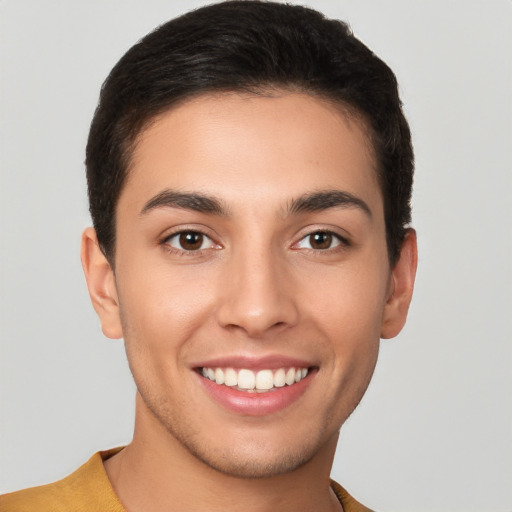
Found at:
[250, 452]
[253, 463]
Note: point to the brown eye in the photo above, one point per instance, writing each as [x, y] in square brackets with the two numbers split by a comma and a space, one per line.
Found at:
[190, 241]
[320, 240]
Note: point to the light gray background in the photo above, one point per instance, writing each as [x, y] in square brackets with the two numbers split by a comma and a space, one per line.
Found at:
[434, 432]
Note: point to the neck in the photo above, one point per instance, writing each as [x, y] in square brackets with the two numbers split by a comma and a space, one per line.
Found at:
[156, 472]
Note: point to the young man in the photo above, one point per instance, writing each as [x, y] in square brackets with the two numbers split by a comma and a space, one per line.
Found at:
[249, 171]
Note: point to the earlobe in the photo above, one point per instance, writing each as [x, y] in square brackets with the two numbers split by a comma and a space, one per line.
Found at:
[401, 287]
[101, 284]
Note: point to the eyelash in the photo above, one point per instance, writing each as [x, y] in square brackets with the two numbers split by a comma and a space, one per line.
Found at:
[187, 252]
[342, 242]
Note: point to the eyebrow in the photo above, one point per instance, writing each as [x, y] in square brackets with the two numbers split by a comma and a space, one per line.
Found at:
[186, 200]
[326, 199]
[202, 203]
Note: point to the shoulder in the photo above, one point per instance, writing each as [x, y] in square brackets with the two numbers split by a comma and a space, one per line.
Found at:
[349, 503]
[85, 490]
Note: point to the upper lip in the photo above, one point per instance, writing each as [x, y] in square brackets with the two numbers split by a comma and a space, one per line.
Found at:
[271, 362]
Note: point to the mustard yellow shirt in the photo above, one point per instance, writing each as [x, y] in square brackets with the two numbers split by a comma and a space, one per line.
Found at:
[88, 489]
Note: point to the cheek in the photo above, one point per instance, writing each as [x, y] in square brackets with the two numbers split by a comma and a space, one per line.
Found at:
[351, 303]
[161, 310]
[349, 310]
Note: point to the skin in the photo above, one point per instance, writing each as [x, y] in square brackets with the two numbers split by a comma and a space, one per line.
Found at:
[258, 287]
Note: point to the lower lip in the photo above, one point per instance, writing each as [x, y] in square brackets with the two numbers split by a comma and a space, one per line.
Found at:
[256, 404]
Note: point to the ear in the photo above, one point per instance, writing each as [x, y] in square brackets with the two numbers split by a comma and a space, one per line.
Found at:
[401, 287]
[101, 284]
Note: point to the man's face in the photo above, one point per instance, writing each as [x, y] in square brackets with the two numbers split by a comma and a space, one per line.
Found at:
[251, 249]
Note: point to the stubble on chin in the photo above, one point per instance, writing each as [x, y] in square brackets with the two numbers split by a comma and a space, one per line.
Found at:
[237, 460]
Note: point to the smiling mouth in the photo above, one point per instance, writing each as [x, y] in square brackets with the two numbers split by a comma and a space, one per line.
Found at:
[250, 381]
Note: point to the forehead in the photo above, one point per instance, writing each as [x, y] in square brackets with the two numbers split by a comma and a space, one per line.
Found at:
[245, 147]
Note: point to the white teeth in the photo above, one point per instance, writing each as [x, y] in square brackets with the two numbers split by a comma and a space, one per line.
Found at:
[279, 378]
[248, 380]
[290, 376]
[264, 379]
[219, 376]
[230, 377]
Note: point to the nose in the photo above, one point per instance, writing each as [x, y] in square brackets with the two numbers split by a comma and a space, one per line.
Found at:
[257, 294]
